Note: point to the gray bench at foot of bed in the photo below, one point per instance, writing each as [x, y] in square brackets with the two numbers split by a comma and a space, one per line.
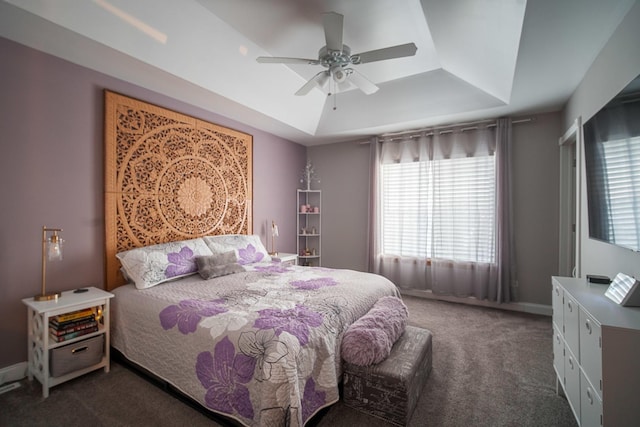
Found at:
[390, 389]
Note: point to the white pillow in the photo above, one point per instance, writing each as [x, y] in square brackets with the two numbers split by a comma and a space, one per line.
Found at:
[249, 248]
[151, 265]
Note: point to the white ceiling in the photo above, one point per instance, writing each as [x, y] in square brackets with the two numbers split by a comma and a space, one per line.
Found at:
[476, 59]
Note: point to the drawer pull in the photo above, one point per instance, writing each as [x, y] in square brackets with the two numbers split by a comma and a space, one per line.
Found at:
[587, 325]
[571, 363]
[79, 350]
[589, 396]
[569, 306]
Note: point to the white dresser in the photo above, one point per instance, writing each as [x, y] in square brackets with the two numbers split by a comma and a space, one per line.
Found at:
[596, 354]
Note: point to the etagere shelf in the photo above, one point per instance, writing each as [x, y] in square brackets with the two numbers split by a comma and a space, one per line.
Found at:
[309, 227]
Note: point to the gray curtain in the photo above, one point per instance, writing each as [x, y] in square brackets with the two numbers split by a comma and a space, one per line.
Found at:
[505, 254]
[373, 220]
[482, 280]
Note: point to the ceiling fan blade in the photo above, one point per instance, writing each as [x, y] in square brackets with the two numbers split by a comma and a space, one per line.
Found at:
[363, 83]
[333, 26]
[318, 80]
[284, 60]
[398, 51]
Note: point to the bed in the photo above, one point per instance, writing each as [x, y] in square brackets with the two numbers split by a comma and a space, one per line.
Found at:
[261, 345]
[254, 340]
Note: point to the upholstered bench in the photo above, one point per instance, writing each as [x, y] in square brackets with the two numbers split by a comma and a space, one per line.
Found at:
[390, 389]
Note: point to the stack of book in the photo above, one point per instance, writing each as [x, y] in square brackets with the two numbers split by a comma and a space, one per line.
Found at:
[73, 324]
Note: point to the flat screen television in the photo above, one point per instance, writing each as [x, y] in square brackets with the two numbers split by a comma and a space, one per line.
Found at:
[612, 165]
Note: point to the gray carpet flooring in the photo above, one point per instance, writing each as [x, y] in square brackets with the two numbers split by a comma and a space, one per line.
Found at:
[490, 368]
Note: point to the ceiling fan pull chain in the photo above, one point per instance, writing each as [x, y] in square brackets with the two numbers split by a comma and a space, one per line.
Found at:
[334, 93]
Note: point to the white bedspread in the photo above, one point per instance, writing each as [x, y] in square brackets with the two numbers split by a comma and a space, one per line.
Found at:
[262, 346]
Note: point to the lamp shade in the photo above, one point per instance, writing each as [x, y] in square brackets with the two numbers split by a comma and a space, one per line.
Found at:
[54, 248]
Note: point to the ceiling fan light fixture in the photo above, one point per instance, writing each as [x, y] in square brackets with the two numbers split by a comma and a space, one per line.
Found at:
[339, 74]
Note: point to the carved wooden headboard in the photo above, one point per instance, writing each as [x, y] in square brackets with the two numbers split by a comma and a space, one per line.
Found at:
[170, 177]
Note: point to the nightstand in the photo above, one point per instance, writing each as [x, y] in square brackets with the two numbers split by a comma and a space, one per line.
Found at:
[285, 258]
[71, 357]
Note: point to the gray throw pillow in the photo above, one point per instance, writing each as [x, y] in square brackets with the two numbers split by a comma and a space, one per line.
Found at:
[218, 265]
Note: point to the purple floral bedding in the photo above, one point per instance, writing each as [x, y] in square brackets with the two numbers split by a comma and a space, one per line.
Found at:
[260, 346]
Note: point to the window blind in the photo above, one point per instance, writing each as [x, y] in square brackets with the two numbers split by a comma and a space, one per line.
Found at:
[441, 209]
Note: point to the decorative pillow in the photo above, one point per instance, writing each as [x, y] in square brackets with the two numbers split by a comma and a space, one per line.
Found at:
[218, 265]
[151, 265]
[216, 259]
[248, 248]
[212, 271]
[369, 339]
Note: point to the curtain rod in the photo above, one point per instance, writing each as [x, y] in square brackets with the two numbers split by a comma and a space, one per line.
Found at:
[465, 127]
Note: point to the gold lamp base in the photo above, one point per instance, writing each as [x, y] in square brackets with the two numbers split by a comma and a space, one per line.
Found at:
[47, 297]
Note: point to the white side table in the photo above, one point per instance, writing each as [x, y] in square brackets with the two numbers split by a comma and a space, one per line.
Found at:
[285, 258]
[40, 344]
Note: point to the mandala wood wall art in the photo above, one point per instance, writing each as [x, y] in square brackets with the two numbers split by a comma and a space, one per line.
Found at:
[170, 177]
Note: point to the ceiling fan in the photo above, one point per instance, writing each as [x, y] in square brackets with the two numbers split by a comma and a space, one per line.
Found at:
[337, 59]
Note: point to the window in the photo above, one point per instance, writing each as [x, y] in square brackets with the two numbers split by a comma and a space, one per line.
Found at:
[442, 217]
[442, 209]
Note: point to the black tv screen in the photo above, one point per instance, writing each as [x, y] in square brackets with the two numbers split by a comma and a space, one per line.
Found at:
[612, 164]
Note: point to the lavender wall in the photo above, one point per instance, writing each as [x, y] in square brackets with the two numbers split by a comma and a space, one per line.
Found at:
[51, 173]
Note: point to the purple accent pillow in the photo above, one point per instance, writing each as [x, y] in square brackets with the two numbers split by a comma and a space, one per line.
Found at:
[248, 248]
[369, 339]
[151, 265]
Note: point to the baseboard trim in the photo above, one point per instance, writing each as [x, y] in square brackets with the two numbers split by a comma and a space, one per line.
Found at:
[13, 373]
[523, 307]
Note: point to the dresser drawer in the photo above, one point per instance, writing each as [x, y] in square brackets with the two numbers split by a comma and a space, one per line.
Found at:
[558, 352]
[571, 330]
[572, 382]
[556, 298]
[590, 404]
[591, 350]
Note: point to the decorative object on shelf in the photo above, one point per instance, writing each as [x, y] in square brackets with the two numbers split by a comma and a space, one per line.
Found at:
[51, 250]
[308, 176]
[274, 234]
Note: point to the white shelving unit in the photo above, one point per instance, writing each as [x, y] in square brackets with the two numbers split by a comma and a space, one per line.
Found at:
[309, 227]
[40, 344]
